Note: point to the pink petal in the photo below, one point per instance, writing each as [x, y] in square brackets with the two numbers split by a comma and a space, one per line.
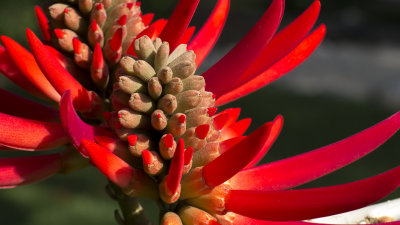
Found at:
[276, 127]
[26, 134]
[283, 66]
[58, 76]
[288, 205]
[178, 22]
[208, 35]
[233, 160]
[283, 42]
[36, 110]
[25, 170]
[26, 63]
[10, 70]
[235, 130]
[77, 130]
[232, 66]
[306, 167]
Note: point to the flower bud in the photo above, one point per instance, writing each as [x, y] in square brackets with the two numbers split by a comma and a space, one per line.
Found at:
[167, 146]
[152, 162]
[143, 70]
[194, 83]
[144, 49]
[130, 84]
[174, 87]
[182, 48]
[141, 103]
[177, 124]
[188, 100]
[132, 119]
[161, 58]
[168, 104]
[74, 21]
[192, 216]
[158, 120]
[171, 218]
[164, 75]
[154, 88]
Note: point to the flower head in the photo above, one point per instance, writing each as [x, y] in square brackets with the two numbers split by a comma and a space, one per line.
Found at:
[132, 104]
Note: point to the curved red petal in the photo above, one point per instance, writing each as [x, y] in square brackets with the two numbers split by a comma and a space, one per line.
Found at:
[43, 23]
[147, 18]
[276, 127]
[77, 130]
[288, 205]
[232, 66]
[25, 170]
[10, 70]
[233, 160]
[306, 167]
[283, 66]
[26, 63]
[237, 219]
[235, 129]
[114, 168]
[187, 35]
[178, 22]
[233, 115]
[176, 169]
[26, 134]
[283, 42]
[58, 76]
[26, 108]
[207, 36]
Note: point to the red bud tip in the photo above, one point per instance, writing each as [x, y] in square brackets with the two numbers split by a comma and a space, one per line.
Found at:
[214, 96]
[66, 10]
[182, 119]
[188, 156]
[132, 139]
[98, 61]
[158, 116]
[119, 116]
[116, 40]
[106, 115]
[211, 111]
[77, 44]
[147, 157]
[138, 3]
[169, 141]
[220, 121]
[122, 20]
[202, 131]
[130, 5]
[59, 33]
[176, 169]
[93, 26]
[99, 6]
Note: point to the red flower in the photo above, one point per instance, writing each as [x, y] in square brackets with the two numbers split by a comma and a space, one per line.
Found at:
[150, 125]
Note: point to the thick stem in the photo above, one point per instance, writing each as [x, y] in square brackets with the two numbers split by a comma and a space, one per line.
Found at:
[132, 211]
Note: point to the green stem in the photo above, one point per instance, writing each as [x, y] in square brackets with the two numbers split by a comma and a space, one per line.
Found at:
[132, 211]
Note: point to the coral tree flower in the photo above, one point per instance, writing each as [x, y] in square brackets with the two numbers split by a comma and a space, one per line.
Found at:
[130, 102]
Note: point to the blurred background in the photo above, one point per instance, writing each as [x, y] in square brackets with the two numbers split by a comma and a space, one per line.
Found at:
[351, 82]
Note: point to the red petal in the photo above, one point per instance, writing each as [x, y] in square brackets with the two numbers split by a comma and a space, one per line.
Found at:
[188, 35]
[306, 167]
[233, 115]
[232, 66]
[303, 204]
[230, 143]
[10, 70]
[283, 66]
[58, 76]
[178, 22]
[235, 130]
[284, 42]
[36, 110]
[208, 35]
[188, 156]
[77, 129]
[176, 168]
[114, 168]
[43, 23]
[26, 63]
[276, 127]
[233, 160]
[26, 134]
[26, 170]
[147, 18]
